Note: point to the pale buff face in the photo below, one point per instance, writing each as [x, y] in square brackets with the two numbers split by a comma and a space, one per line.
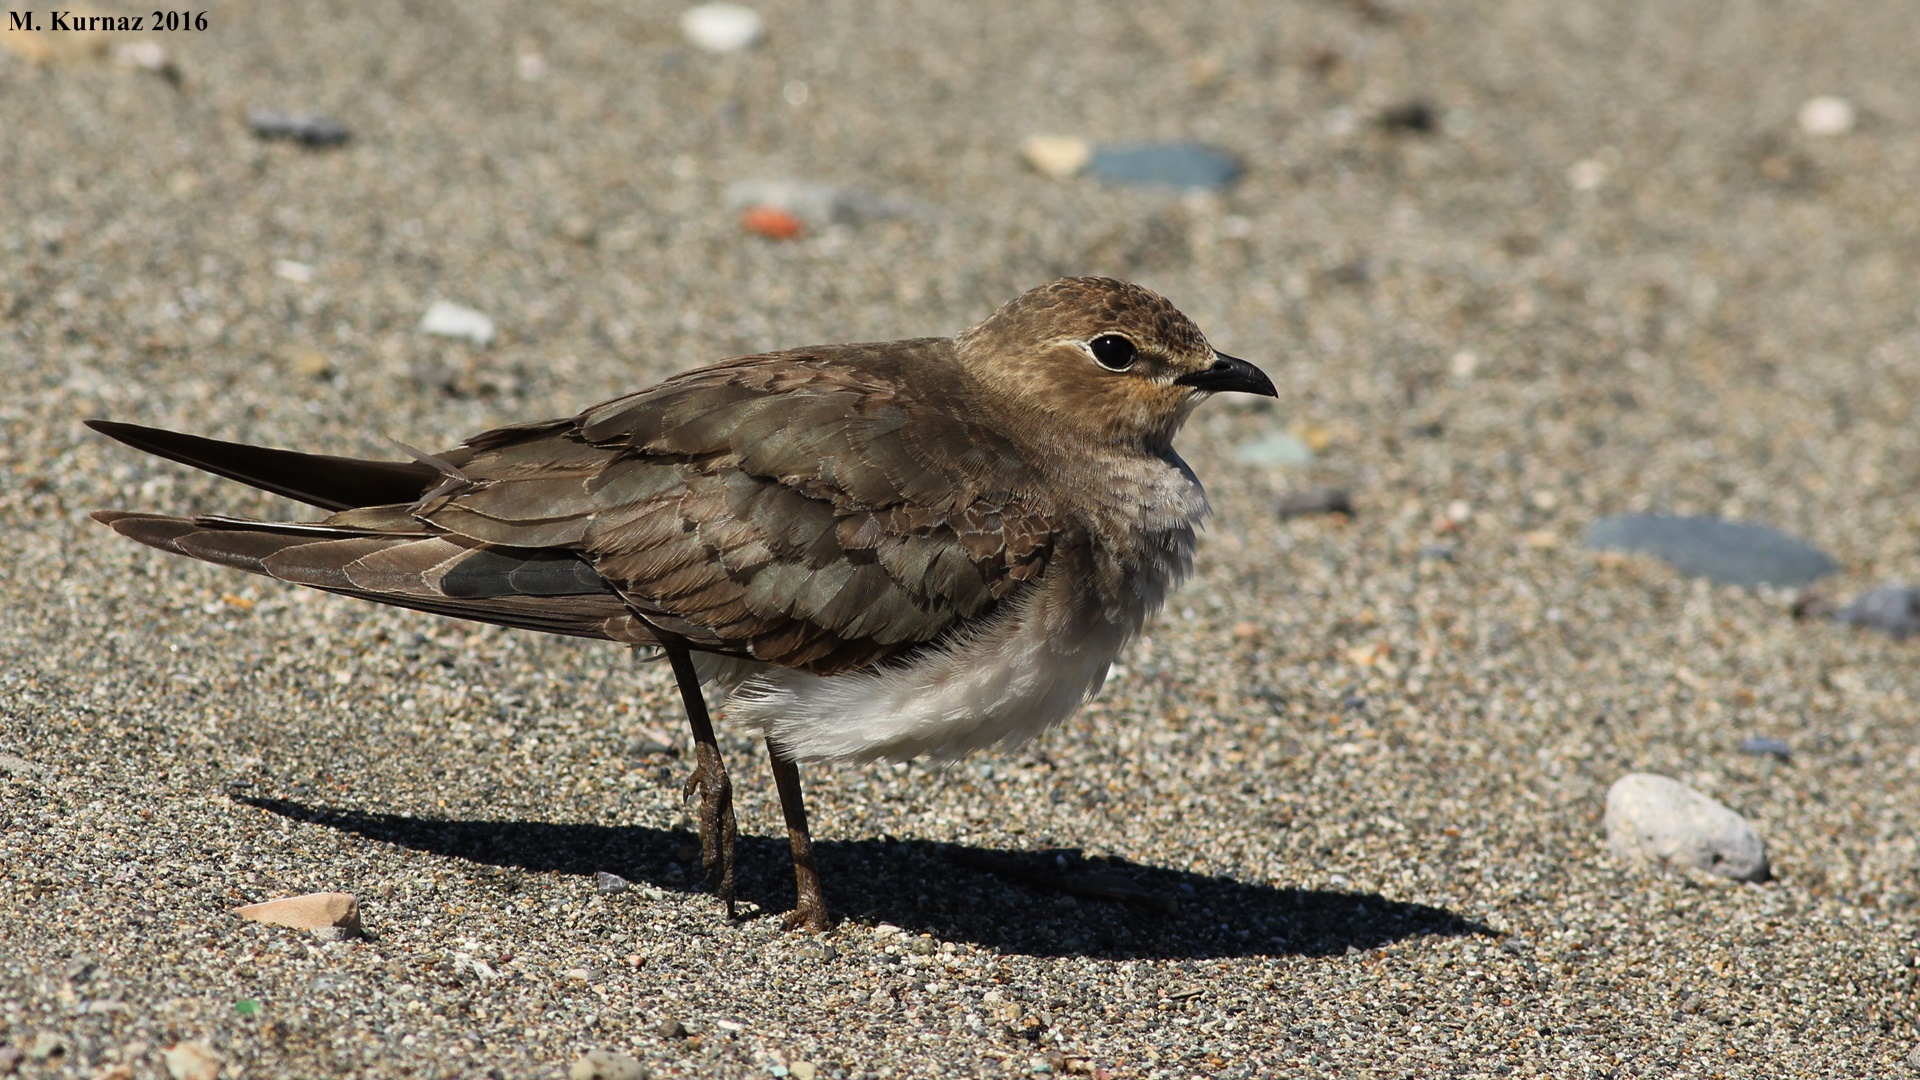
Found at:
[1101, 359]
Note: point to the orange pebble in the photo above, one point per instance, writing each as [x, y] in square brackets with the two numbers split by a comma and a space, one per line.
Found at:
[772, 223]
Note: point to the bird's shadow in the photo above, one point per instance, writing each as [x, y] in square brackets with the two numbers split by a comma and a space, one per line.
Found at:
[1044, 903]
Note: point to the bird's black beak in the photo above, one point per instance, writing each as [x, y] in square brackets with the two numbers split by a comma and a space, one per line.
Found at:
[1230, 373]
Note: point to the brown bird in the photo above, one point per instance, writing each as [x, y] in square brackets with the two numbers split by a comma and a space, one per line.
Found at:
[884, 550]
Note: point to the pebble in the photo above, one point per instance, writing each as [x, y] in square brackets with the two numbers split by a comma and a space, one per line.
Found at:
[1417, 116]
[1316, 500]
[817, 950]
[610, 883]
[1190, 165]
[15, 765]
[307, 129]
[1761, 746]
[1587, 175]
[671, 1029]
[1058, 156]
[1277, 449]
[802, 1070]
[191, 1061]
[312, 365]
[722, 28]
[10, 1059]
[297, 272]
[336, 911]
[816, 203]
[772, 223]
[145, 55]
[444, 319]
[1891, 609]
[1727, 552]
[1826, 115]
[606, 1065]
[1660, 819]
[45, 1045]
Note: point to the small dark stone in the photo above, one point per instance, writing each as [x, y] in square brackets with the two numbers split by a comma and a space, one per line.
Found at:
[1417, 116]
[1761, 746]
[1727, 552]
[307, 129]
[610, 883]
[1317, 500]
[1890, 609]
[1436, 553]
[671, 1029]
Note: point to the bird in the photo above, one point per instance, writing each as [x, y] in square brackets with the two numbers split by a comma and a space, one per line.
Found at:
[873, 551]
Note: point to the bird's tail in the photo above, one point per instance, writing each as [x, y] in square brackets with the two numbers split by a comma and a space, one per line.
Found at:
[331, 483]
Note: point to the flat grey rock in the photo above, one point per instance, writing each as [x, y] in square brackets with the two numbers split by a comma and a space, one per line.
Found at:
[1188, 165]
[1727, 552]
[1657, 819]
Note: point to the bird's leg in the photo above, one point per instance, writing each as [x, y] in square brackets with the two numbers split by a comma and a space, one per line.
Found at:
[717, 829]
[810, 907]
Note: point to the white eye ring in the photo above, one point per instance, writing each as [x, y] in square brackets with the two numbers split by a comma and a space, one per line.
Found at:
[1113, 352]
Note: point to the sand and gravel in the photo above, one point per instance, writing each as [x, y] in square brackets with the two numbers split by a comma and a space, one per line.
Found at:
[1340, 812]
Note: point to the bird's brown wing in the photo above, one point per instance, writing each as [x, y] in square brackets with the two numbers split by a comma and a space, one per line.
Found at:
[823, 510]
[396, 561]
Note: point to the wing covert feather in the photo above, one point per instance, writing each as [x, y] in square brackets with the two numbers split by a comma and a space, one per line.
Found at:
[819, 515]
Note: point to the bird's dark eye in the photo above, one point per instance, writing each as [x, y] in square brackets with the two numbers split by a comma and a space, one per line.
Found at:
[1113, 352]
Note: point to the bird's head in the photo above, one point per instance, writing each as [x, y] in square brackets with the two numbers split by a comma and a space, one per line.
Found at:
[1098, 359]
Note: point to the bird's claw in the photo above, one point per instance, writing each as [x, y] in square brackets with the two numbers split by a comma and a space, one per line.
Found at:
[718, 830]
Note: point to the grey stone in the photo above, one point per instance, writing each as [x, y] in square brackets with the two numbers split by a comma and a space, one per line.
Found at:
[1890, 609]
[1315, 500]
[1658, 819]
[1762, 746]
[307, 129]
[610, 883]
[1166, 164]
[606, 1065]
[1278, 448]
[1727, 552]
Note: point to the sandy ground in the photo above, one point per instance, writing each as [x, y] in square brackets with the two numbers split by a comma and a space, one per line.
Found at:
[1352, 792]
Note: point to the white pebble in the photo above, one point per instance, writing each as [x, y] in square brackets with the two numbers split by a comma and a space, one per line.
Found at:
[451, 320]
[722, 28]
[297, 272]
[1658, 819]
[1826, 115]
[1058, 156]
[1587, 175]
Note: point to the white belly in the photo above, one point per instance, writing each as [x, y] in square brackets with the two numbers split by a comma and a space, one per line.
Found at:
[1018, 673]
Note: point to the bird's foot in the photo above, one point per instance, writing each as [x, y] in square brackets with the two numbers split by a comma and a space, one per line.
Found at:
[809, 914]
[718, 831]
